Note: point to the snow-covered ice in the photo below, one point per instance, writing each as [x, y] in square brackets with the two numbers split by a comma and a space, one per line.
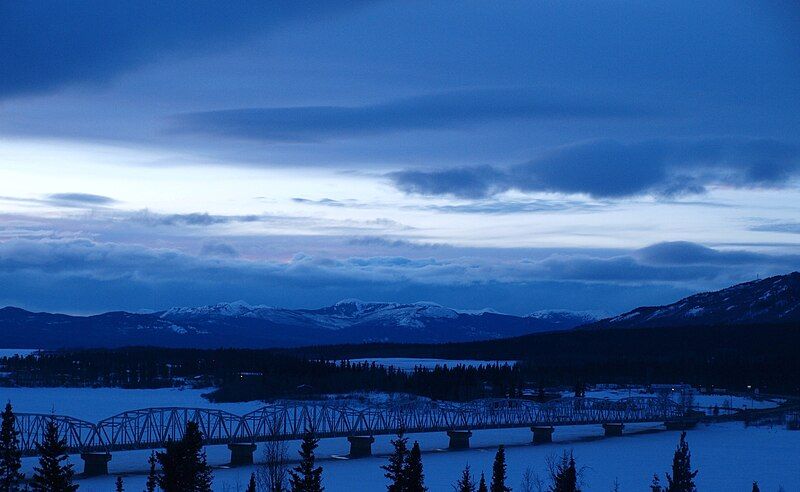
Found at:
[95, 404]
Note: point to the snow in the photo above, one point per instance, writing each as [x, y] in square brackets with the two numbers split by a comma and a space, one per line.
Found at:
[695, 311]
[95, 404]
[729, 457]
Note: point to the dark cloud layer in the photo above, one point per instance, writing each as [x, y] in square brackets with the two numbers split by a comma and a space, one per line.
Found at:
[313, 123]
[46, 45]
[611, 169]
[83, 275]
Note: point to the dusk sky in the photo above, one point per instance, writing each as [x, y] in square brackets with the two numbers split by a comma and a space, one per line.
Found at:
[512, 155]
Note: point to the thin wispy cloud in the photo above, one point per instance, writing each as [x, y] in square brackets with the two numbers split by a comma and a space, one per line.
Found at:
[437, 111]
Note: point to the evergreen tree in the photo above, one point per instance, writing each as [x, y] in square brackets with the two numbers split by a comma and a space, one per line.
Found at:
[414, 477]
[655, 485]
[53, 474]
[119, 485]
[395, 469]
[482, 484]
[755, 487]
[305, 477]
[466, 483]
[682, 478]
[152, 477]
[251, 486]
[183, 463]
[565, 475]
[10, 455]
[499, 472]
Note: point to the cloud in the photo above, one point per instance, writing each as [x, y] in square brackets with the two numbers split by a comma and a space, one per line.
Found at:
[445, 110]
[784, 227]
[214, 248]
[81, 199]
[66, 200]
[85, 275]
[611, 169]
[147, 217]
[38, 54]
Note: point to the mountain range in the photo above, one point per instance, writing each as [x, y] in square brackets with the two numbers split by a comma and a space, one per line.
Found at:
[238, 324]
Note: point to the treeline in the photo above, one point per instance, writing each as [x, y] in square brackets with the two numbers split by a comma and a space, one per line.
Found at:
[242, 375]
[735, 357]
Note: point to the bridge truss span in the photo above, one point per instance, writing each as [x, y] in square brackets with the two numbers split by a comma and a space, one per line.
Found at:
[152, 428]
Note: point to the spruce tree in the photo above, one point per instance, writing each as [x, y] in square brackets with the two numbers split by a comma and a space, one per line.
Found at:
[565, 475]
[120, 487]
[10, 454]
[54, 473]
[655, 485]
[152, 476]
[395, 469]
[466, 483]
[305, 477]
[251, 486]
[499, 472]
[414, 477]
[482, 484]
[682, 478]
[183, 464]
[755, 487]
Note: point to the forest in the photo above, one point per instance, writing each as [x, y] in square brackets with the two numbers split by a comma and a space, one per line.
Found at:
[730, 357]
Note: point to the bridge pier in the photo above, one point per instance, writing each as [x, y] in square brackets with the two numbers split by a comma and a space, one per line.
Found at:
[242, 454]
[613, 429]
[459, 439]
[360, 446]
[542, 434]
[95, 464]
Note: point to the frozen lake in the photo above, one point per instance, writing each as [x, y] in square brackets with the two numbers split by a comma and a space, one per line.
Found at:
[729, 456]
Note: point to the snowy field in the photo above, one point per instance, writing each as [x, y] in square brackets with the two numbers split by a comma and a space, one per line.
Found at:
[408, 364]
[95, 404]
[729, 457]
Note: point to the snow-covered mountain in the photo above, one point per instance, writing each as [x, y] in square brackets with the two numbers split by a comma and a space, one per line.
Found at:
[771, 300]
[238, 324]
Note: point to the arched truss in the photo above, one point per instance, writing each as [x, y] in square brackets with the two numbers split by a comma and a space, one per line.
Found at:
[79, 435]
[151, 428]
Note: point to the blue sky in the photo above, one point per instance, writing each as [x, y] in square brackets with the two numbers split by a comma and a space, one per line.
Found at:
[512, 155]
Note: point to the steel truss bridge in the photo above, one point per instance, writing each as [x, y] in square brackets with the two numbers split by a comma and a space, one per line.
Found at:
[151, 428]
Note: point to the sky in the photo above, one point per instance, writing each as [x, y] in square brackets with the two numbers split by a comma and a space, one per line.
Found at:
[518, 156]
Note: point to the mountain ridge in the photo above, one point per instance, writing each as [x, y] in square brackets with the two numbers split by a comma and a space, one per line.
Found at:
[773, 299]
[238, 324]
